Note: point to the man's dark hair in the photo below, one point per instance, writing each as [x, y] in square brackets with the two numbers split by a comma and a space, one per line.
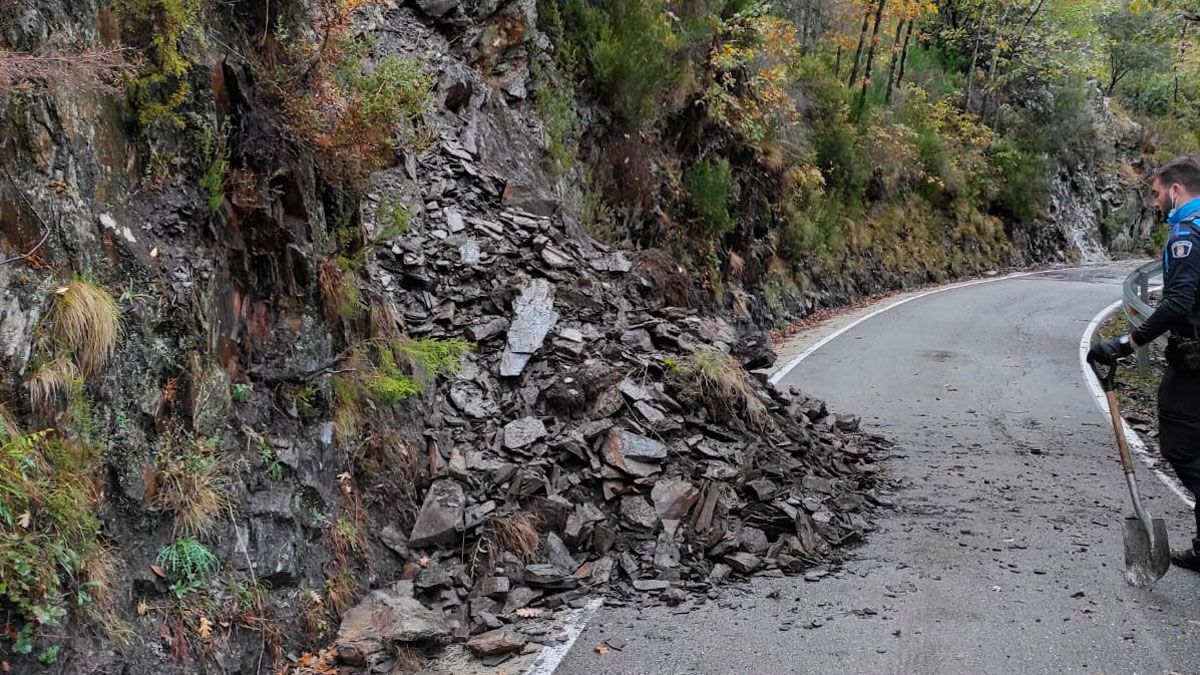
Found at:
[1184, 171]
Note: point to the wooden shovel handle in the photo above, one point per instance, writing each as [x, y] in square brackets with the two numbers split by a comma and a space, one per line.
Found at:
[1119, 429]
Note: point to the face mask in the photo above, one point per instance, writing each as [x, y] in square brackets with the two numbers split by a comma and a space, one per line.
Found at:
[1174, 207]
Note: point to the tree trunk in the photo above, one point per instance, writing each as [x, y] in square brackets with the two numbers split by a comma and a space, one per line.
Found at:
[862, 37]
[837, 65]
[975, 59]
[904, 54]
[1175, 67]
[862, 96]
[991, 76]
[887, 98]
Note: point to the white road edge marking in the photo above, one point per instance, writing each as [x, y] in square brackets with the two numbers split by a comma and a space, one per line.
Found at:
[1135, 441]
[551, 655]
[787, 368]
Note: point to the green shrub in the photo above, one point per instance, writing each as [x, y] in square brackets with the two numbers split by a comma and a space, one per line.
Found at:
[161, 26]
[1020, 180]
[212, 182]
[435, 356]
[48, 524]
[555, 100]
[816, 226]
[844, 164]
[391, 389]
[712, 191]
[634, 58]
[1150, 95]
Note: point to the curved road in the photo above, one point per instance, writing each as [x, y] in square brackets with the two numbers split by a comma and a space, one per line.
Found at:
[1003, 554]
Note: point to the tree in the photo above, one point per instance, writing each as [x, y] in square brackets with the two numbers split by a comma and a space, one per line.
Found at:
[1135, 41]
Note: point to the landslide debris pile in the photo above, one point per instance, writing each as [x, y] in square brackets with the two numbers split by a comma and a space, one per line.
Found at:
[598, 440]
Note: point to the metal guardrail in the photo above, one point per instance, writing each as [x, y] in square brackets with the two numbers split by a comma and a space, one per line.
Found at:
[1136, 301]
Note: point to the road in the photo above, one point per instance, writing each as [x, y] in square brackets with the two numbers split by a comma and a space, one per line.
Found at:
[1003, 554]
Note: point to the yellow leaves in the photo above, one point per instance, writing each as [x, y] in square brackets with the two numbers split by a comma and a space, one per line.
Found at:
[206, 628]
[752, 71]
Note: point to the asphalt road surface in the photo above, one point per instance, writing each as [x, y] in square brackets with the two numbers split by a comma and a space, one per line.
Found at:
[1003, 553]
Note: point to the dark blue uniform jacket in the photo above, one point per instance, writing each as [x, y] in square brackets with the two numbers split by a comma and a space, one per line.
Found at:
[1179, 311]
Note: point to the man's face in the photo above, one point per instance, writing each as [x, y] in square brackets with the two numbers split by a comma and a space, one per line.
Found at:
[1160, 197]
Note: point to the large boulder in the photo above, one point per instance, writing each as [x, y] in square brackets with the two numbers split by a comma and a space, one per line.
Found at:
[384, 619]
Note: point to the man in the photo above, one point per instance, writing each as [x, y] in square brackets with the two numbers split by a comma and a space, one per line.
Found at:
[1175, 190]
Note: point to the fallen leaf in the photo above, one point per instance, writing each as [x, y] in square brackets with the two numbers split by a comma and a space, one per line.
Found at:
[24, 519]
[601, 649]
[62, 290]
[206, 628]
[158, 571]
[142, 608]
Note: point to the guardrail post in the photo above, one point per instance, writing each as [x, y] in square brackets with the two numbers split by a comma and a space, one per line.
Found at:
[1143, 354]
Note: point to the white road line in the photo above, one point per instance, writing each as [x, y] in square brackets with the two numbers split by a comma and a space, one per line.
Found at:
[787, 368]
[1135, 441]
[551, 655]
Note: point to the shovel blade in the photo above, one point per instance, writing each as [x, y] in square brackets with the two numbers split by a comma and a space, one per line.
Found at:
[1147, 554]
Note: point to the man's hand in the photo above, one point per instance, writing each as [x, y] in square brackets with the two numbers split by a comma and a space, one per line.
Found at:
[1106, 352]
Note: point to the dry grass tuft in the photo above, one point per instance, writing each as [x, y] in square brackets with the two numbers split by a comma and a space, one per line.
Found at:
[340, 295]
[409, 660]
[516, 534]
[10, 431]
[725, 386]
[102, 572]
[86, 321]
[314, 613]
[52, 386]
[191, 483]
[341, 591]
[385, 320]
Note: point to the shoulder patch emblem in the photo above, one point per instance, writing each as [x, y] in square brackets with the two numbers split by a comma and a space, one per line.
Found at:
[1181, 248]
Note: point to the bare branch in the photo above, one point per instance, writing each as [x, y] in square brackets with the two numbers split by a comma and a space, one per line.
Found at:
[98, 68]
[45, 226]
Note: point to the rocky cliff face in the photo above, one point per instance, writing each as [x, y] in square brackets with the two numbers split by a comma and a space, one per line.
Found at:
[270, 407]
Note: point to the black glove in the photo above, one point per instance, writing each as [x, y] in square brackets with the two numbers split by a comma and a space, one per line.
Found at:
[1106, 352]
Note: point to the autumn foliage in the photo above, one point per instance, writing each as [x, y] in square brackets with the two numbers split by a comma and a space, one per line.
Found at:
[351, 110]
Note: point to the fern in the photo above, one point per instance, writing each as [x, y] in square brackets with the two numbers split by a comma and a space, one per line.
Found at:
[188, 558]
[435, 357]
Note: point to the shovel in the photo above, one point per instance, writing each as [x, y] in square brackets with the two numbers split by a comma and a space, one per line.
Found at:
[1147, 553]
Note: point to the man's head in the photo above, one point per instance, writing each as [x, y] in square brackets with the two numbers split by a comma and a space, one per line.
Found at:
[1174, 183]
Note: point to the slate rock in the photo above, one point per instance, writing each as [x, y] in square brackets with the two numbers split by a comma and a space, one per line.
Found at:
[559, 555]
[494, 587]
[441, 516]
[543, 575]
[522, 432]
[499, 641]
[753, 540]
[743, 562]
[673, 498]
[383, 619]
[638, 512]
[533, 317]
